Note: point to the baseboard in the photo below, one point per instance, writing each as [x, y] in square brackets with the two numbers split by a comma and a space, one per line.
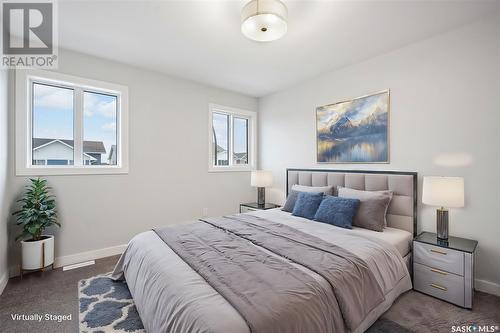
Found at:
[80, 257]
[89, 255]
[3, 281]
[487, 287]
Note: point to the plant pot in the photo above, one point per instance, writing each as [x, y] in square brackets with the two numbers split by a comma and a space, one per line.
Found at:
[37, 254]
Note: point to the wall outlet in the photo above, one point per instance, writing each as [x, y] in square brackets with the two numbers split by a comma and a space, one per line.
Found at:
[204, 212]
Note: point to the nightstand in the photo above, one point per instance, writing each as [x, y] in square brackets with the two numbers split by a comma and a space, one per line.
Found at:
[444, 269]
[252, 206]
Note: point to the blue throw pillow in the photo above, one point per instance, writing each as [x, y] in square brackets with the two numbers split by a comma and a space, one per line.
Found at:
[337, 211]
[307, 204]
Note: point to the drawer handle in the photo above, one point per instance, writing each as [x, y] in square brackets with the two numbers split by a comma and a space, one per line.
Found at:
[437, 251]
[437, 286]
[438, 271]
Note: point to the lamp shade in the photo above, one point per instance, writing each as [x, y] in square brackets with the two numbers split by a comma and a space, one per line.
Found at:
[264, 20]
[261, 178]
[443, 191]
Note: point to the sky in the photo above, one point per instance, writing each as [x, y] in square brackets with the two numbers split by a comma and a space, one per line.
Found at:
[240, 132]
[53, 115]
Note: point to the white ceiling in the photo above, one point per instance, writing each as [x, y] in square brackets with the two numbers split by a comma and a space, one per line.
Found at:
[201, 40]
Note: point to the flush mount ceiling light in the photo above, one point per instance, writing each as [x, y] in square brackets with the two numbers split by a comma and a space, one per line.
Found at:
[264, 20]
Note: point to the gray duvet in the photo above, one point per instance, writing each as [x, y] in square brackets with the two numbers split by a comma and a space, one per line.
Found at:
[270, 294]
[231, 285]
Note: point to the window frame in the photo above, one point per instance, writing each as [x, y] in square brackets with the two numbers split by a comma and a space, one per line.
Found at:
[251, 116]
[24, 80]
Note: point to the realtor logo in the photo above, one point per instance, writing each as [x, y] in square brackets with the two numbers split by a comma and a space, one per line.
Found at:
[29, 34]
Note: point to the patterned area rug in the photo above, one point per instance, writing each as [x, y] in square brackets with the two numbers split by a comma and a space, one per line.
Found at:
[107, 306]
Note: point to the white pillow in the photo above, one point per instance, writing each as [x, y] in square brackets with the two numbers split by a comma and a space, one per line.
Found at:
[327, 190]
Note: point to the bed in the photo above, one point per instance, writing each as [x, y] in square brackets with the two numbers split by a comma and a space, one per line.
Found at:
[171, 295]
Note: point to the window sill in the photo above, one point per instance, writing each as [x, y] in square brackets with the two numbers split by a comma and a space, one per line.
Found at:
[230, 169]
[58, 171]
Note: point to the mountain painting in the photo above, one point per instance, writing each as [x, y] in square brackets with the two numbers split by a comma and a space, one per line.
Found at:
[354, 131]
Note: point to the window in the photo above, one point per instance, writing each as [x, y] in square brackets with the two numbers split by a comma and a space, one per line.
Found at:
[231, 139]
[99, 129]
[52, 125]
[69, 125]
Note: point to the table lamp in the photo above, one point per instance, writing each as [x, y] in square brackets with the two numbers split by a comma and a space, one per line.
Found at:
[261, 179]
[443, 192]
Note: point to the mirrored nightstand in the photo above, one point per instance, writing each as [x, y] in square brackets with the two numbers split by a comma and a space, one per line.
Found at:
[252, 206]
[444, 269]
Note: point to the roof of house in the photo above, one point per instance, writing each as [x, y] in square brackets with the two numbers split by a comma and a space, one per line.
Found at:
[88, 146]
[220, 149]
[240, 155]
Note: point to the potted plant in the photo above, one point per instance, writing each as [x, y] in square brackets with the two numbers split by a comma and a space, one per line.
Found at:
[37, 213]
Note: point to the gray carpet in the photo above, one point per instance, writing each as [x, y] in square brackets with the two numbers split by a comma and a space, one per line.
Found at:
[422, 313]
[53, 292]
[384, 325]
[56, 292]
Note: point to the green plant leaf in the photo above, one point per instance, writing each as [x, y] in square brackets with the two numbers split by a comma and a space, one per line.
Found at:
[38, 210]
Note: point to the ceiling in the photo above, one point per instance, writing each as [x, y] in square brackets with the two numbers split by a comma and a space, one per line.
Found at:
[201, 40]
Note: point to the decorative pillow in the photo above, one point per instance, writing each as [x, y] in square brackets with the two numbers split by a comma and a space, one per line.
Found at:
[307, 204]
[290, 201]
[372, 209]
[337, 211]
[327, 190]
[292, 196]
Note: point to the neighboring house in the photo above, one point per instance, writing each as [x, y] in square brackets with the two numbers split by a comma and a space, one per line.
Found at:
[60, 152]
[221, 157]
[239, 158]
[112, 155]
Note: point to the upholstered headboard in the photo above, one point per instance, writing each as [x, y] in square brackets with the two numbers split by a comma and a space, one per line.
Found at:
[402, 212]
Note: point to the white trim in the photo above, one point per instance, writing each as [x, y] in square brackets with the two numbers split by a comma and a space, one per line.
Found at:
[487, 287]
[3, 281]
[23, 86]
[92, 158]
[89, 255]
[51, 142]
[79, 265]
[252, 138]
[78, 126]
[80, 257]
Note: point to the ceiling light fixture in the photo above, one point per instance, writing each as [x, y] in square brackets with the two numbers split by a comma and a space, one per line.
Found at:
[264, 20]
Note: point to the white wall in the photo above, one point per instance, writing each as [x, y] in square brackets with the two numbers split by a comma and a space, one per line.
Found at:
[445, 108]
[168, 180]
[4, 204]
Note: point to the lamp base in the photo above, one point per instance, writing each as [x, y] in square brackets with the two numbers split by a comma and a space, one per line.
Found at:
[442, 224]
[261, 196]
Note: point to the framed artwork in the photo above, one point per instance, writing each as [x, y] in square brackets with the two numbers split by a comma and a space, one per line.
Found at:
[354, 131]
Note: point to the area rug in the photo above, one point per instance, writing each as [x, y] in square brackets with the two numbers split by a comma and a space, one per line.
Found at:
[106, 306]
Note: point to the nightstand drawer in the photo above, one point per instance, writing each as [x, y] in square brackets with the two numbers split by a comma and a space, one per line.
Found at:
[244, 209]
[446, 286]
[437, 257]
